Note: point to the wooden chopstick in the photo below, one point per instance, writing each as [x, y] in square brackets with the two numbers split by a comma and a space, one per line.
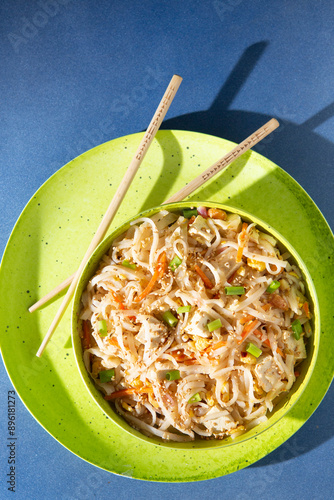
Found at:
[59, 288]
[244, 146]
[239, 150]
[117, 199]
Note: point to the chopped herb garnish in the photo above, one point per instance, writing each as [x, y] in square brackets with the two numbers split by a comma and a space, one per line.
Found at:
[173, 375]
[126, 263]
[196, 398]
[189, 212]
[273, 286]
[169, 318]
[106, 375]
[297, 329]
[214, 325]
[102, 327]
[183, 309]
[235, 290]
[175, 262]
[253, 349]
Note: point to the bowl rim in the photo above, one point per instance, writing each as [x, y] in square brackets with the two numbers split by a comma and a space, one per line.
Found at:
[280, 409]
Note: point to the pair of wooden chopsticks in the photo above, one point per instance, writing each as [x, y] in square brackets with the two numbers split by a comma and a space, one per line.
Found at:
[125, 183]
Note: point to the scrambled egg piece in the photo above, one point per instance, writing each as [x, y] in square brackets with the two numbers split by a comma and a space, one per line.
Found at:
[201, 344]
[249, 359]
[210, 398]
[137, 383]
[256, 264]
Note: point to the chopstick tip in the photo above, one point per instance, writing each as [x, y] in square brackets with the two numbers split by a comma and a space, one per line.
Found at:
[275, 123]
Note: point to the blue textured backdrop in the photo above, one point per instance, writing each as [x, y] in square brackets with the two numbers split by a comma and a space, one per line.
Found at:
[76, 73]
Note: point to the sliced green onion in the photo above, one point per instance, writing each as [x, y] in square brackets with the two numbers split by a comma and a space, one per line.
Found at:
[297, 329]
[169, 318]
[106, 375]
[214, 325]
[175, 262]
[126, 263]
[102, 327]
[183, 309]
[235, 290]
[253, 349]
[189, 212]
[273, 286]
[173, 375]
[196, 398]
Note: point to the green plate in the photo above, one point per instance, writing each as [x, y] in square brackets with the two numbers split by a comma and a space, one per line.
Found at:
[47, 244]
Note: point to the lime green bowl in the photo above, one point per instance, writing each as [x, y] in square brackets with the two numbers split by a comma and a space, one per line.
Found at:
[284, 402]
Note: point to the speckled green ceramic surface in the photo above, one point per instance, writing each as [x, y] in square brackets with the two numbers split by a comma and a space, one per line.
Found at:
[51, 237]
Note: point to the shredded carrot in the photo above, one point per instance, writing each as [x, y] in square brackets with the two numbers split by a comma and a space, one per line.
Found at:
[183, 358]
[207, 282]
[158, 273]
[121, 305]
[242, 242]
[86, 335]
[258, 333]
[215, 346]
[176, 353]
[245, 319]
[231, 278]
[266, 342]
[128, 392]
[297, 373]
[191, 220]
[306, 309]
[247, 328]
[113, 341]
[280, 352]
[117, 299]
[219, 344]
[192, 361]
[180, 358]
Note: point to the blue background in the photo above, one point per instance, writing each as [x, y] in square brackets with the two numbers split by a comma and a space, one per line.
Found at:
[75, 74]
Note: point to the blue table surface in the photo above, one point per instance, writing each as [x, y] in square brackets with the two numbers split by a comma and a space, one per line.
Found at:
[65, 65]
